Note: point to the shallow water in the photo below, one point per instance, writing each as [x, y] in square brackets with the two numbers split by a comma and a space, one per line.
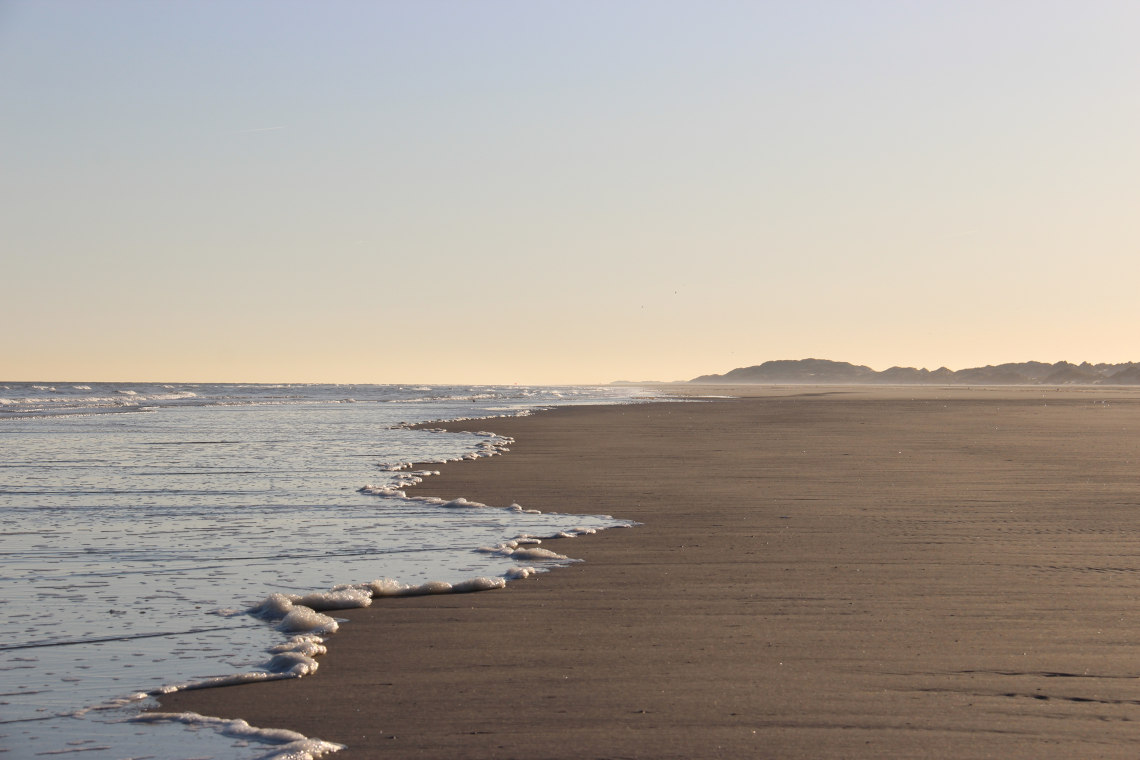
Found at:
[139, 524]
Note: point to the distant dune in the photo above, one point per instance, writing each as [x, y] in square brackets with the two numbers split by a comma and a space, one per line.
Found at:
[823, 371]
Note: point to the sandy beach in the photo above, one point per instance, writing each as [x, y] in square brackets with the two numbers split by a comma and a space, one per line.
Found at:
[819, 573]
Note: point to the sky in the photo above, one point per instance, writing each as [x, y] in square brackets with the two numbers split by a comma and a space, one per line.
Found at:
[500, 191]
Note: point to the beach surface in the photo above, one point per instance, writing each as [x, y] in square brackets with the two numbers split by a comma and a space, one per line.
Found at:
[819, 573]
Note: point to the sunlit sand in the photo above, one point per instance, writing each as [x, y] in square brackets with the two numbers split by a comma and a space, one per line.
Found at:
[820, 572]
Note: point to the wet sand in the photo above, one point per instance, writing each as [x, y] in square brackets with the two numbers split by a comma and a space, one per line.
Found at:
[820, 573]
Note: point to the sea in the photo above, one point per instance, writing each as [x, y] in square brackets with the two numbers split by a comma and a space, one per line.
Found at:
[156, 537]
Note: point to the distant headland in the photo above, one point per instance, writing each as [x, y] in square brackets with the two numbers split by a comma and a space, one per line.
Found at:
[823, 371]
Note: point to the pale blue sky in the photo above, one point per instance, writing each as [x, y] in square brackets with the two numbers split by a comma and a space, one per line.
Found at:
[563, 192]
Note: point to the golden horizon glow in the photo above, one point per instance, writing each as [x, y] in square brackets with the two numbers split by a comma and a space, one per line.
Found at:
[551, 194]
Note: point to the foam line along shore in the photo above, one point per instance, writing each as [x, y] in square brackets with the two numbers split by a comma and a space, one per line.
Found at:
[144, 523]
[819, 572]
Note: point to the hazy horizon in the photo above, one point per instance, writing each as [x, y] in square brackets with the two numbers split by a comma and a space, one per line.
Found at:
[557, 193]
[620, 380]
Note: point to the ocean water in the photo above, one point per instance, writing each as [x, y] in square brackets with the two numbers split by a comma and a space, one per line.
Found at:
[155, 537]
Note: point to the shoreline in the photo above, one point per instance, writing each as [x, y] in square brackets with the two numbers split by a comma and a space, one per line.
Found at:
[819, 572]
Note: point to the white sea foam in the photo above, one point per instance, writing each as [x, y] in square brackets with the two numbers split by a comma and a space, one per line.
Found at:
[519, 508]
[292, 659]
[386, 587]
[337, 599]
[294, 663]
[310, 646]
[302, 619]
[404, 480]
[478, 584]
[575, 532]
[514, 551]
[273, 607]
[381, 490]
[292, 617]
[472, 397]
[299, 614]
[431, 587]
[389, 587]
[536, 553]
[183, 495]
[235, 679]
[123, 398]
[462, 503]
[287, 745]
[396, 491]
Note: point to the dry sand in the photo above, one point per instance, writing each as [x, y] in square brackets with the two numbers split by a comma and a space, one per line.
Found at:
[821, 573]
